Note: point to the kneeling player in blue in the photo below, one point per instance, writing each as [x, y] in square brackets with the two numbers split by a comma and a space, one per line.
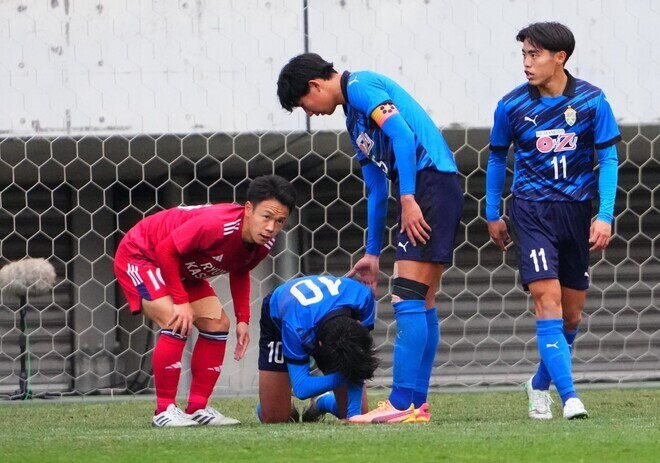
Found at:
[396, 140]
[556, 122]
[326, 318]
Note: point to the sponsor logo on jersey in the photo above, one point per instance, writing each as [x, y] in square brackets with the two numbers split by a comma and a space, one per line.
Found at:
[529, 119]
[556, 140]
[570, 115]
[203, 270]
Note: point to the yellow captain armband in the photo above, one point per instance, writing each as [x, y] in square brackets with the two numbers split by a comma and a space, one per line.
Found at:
[383, 112]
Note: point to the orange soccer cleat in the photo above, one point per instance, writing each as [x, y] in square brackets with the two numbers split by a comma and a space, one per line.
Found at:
[386, 413]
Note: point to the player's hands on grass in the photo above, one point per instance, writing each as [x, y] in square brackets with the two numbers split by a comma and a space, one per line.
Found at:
[242, 340]
[412, 221]
[499, 233]
[599, 235]
[182, 319]
[368, 270]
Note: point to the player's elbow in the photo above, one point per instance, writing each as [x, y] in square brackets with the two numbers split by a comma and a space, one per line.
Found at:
[301, 392]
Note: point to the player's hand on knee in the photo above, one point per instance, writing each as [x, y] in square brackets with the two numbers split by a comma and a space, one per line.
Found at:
[242, 340]
[499, 233]
[368, 270]
[182, 319]
[599, 235]
[412, 221]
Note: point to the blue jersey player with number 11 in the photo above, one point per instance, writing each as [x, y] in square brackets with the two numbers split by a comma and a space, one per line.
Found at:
[556, 123]
[396, 140]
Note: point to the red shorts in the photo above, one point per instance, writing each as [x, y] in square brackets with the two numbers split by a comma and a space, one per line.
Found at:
[140, 279]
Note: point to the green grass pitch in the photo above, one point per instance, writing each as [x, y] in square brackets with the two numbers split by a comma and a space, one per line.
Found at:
[466, 427]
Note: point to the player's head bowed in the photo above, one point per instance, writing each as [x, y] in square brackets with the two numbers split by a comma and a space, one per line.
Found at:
[346, 347]
[293, 82]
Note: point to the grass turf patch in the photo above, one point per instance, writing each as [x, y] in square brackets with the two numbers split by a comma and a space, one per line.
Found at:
[624, 425]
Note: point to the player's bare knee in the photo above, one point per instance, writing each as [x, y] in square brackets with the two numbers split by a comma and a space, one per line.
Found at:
[572, 321]
[213, 324]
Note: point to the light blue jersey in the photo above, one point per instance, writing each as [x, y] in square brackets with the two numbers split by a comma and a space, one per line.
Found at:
[299, 306]
[372, 98]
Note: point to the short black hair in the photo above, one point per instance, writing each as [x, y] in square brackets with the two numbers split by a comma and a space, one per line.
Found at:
[551, 36]
[346, 347]
[272, 187]
[293, 82]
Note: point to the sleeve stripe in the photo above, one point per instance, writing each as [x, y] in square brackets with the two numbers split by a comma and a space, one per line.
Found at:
[383, 112]
[613, 141]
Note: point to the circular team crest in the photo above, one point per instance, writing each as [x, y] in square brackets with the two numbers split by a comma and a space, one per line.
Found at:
[570, 115]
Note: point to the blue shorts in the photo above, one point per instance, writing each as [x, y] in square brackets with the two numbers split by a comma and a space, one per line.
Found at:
[440, 197]
[271, 356]
[552, 241]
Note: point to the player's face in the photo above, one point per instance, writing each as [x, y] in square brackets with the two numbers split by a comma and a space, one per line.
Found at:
[319, 100]
[541, 65]
[263, 221]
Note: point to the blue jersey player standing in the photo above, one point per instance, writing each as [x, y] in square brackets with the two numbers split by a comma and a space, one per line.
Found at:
[326, 318]
[394, 139]
[556, 123]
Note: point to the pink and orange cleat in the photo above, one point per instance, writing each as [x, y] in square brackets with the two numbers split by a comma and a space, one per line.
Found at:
[423, 413]
[386, 413]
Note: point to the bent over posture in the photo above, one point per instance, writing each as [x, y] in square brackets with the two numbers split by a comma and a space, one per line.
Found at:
[395, 139]
[163, 265]
[326, 318]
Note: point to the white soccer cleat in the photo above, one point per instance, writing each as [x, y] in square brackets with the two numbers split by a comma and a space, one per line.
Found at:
[209, 416]
[574, 408]
[539, 402]
[173, 417]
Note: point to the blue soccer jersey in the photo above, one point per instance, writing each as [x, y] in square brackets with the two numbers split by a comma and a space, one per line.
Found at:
[554, 142]
[300, 305]
[372, 100]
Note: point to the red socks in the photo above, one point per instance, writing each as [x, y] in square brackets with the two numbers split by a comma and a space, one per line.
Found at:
[167, 368]
[207, 358]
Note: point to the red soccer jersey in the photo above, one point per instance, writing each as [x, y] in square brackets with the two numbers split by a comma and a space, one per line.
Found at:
[208, 240]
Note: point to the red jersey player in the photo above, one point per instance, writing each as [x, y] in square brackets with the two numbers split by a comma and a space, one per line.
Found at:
[162, 265]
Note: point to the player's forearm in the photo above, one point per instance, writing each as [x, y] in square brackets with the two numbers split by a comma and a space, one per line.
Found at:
[239, 285]
[354, 393]
[607, 181]
[168, 262]
[495, 177]
[377, 194]
[305, 386]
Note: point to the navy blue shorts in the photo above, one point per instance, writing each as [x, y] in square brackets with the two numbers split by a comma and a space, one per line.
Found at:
[440, 197]
[271, 356]
[552, 241]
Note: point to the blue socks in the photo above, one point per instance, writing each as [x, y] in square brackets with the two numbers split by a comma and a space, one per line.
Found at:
[556, 355]
[542, 379]
[411, 340]
[428, 358]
